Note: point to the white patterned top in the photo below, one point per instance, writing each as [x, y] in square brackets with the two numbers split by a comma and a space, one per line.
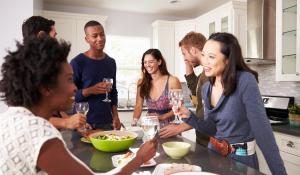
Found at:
[22, 135]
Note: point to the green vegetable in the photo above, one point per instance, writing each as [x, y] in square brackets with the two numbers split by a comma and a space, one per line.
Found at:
[295, 109]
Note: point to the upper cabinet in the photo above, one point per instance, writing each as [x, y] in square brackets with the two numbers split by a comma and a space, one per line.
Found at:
[288, 40]
[163, 39]
[70, 27]
[181, 29]
[230, 17]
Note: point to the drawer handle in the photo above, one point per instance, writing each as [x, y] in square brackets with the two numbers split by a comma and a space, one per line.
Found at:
[290, 144]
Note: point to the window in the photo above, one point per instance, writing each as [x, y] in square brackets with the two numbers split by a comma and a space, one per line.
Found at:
[128, 52]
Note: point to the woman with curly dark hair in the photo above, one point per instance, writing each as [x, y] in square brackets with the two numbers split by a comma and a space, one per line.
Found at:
[37, 81]
[154, 87]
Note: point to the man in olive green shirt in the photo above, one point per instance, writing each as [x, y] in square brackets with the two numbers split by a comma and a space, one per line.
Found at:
[191, 46]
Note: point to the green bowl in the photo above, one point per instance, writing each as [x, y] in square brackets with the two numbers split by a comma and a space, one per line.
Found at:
[176, 150]
[113, 145]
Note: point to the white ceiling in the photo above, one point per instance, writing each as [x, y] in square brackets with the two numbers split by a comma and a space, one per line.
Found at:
[184, 8]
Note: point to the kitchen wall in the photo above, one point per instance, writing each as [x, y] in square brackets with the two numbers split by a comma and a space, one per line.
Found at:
[118, 23]
[268, 85]
[12, 15]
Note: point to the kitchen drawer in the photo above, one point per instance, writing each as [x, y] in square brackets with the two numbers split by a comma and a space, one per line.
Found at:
[287, 143]
[291, 163]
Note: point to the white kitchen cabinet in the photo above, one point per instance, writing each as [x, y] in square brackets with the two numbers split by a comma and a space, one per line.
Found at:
[289, 148]
[288, 40]
[166, 37]
[70, 27]
[230, 17]
[181, 29]
[163, 39]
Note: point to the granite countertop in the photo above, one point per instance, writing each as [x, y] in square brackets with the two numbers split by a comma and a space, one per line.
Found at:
[129, 109]
[208, 160]
[287, 129]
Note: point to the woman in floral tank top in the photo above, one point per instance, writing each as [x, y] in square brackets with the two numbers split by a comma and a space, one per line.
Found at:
[154, 87]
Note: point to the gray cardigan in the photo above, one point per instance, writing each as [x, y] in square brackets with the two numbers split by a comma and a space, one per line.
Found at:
[240, 117]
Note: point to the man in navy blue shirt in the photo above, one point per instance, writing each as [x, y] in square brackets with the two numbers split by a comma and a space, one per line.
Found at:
[89, 69]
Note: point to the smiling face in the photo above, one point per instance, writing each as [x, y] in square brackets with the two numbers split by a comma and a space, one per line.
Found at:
[95, 37]
[190, 56]
[151, 64]
[63, 94]
[213, 61]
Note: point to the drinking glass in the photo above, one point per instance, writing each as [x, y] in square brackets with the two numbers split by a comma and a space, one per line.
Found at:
[150, 125]
[82, 108]
[176, 98]
[110, 82]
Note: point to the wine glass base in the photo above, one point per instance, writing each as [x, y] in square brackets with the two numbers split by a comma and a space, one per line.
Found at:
[106, 100]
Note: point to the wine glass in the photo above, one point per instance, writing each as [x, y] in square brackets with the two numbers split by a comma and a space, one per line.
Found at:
[82, 108]
[150, 125]
[176, 98]
[110, 82]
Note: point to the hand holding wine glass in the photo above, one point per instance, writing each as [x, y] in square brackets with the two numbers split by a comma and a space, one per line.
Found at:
[82, 108]
[109, 82]
[176, 100]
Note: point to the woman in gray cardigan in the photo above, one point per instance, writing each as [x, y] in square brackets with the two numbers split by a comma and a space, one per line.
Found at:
[234, 114]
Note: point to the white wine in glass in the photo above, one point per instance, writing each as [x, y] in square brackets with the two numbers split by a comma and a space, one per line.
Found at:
[82, 108]
[109, 87]
[176, 98]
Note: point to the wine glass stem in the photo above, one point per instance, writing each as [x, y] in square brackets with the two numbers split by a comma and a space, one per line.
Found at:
[106, 95]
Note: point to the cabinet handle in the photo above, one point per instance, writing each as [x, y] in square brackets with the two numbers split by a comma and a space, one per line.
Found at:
[290, 144]
[297, 73]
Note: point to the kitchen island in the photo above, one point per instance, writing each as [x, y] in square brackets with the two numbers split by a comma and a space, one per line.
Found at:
[208, 160]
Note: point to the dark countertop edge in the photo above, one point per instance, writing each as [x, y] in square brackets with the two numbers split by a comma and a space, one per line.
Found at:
[287, 129]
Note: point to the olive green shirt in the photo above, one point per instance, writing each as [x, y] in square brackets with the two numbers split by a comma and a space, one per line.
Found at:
[195, 84]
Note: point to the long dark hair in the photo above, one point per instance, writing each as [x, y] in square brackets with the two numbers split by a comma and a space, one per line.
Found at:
[231, 49]
[146, 77]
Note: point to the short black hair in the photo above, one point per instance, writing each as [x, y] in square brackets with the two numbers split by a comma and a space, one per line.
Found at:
[36, 63]
[35, 24]
[92, 23]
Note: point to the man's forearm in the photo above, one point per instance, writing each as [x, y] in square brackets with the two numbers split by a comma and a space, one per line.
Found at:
[114, 110]
[86, 92]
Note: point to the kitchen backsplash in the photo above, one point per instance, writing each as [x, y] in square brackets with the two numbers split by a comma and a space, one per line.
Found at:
[268, 85]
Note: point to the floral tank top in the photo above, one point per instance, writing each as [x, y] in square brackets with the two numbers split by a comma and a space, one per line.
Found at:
[161, 105]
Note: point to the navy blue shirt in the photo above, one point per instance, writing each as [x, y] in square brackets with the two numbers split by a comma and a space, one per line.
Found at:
[87, 73]
[240, 117]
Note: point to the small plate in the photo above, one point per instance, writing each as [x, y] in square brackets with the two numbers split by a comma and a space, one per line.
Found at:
[159, 169]
[119, 160]
[85, 140]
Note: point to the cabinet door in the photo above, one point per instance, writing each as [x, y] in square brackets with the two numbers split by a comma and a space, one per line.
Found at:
[163, 39]
[66, 30]
[288, 52]
[70, 27]
[181, 29]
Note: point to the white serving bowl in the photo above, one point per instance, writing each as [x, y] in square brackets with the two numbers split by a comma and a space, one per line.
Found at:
[138, 130]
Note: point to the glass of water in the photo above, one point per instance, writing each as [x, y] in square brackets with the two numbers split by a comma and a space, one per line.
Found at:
[150, 125]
